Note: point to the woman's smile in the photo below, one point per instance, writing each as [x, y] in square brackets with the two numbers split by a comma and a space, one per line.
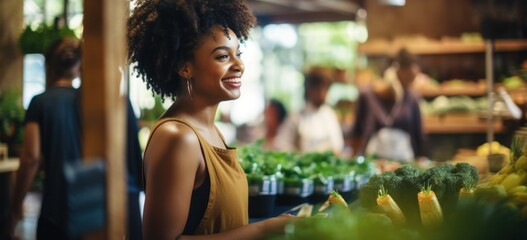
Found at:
[235, 82]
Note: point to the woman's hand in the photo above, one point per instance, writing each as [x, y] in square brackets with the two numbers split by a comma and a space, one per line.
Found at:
[276, 225]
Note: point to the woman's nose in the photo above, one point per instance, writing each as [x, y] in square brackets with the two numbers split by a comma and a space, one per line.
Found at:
[238, 65]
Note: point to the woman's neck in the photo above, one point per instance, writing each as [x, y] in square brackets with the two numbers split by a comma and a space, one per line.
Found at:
[191, 110]
[63, 82]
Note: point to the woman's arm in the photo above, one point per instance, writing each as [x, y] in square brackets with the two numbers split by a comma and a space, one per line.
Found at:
[172, 163]
[29, 163]
[258, 230]
[420, 137]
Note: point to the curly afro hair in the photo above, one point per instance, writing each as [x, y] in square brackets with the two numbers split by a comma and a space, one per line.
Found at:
[163, 35]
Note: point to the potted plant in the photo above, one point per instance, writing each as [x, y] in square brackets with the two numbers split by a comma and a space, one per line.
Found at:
[11, 120]
[261, 179]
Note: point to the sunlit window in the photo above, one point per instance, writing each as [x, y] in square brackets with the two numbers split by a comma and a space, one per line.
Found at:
[34, 77]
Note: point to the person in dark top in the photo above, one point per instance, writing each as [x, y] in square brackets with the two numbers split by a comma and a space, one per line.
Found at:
[391, 104]
[52, 136]
[134, 162]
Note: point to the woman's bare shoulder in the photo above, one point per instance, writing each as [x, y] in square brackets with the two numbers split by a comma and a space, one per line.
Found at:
[170, 138]
[175, 132]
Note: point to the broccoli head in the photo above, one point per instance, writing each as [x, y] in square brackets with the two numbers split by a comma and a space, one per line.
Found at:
[404, 184]
[369, 191]
[407, 171]
[446, 181]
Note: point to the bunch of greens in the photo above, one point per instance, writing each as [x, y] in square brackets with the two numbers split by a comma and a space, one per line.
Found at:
[293, 167]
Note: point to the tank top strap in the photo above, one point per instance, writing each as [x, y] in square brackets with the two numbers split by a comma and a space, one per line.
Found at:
[160, 122]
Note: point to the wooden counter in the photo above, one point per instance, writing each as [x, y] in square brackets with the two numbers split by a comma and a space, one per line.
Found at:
[9, 165]
[459, 123]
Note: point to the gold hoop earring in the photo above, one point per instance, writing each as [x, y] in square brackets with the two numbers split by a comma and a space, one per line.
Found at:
[189, 89]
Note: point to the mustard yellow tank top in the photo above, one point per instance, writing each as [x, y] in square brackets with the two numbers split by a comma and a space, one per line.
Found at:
[227, 205]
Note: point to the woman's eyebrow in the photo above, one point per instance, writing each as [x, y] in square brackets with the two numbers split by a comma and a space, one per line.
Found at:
[223, 48]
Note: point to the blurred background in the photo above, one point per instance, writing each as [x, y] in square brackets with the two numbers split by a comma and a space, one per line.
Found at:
[354, 40]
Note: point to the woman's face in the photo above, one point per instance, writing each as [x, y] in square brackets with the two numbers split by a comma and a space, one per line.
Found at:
[407, 75]
[216, 68]
[317, 92]
[271, 117]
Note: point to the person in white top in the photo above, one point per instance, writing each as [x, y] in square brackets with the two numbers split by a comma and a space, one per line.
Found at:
[316, 127]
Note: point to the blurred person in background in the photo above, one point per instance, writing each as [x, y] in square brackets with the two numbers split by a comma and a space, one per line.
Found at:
[52, 136]
[189, 51]
[388, 119]
[134, 162]
[316, 127]
[275, 114]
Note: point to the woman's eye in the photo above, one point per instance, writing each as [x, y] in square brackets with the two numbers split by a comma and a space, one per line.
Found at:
[222, 57]
[239, 54]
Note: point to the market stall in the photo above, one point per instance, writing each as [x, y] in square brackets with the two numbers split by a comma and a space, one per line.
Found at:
[452, 200]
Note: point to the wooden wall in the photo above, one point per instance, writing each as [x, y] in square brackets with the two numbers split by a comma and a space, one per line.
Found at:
[431, 18]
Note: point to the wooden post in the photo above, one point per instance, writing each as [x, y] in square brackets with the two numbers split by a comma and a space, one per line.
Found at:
[103, 102]
[11, 23]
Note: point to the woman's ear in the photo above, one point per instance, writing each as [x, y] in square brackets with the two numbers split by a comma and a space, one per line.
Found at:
[185, 71]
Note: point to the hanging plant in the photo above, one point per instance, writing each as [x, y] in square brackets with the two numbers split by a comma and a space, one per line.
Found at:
[36, 41]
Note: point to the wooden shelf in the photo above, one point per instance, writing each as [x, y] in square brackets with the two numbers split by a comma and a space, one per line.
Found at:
[9, 165]
[438, 47]
[459, 123]
[449, 92]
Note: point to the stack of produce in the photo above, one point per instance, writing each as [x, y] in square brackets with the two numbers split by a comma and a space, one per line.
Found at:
[510, 183]
[323, 171]
[405, 183]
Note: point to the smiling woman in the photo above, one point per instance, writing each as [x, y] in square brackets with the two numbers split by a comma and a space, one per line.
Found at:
[189, 51]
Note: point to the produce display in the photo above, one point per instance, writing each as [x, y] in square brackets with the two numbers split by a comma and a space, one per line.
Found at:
[510, 183]
[280, 180]
[442, 202]
[454, 104]
[305, 174]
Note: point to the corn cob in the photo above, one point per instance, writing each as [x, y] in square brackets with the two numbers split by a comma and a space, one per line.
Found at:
[431, 213]
[390, 207]
[334, 199]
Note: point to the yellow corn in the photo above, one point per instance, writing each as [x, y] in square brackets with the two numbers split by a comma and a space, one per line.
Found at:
[390, 207]
[336, 199]
[431, 213]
